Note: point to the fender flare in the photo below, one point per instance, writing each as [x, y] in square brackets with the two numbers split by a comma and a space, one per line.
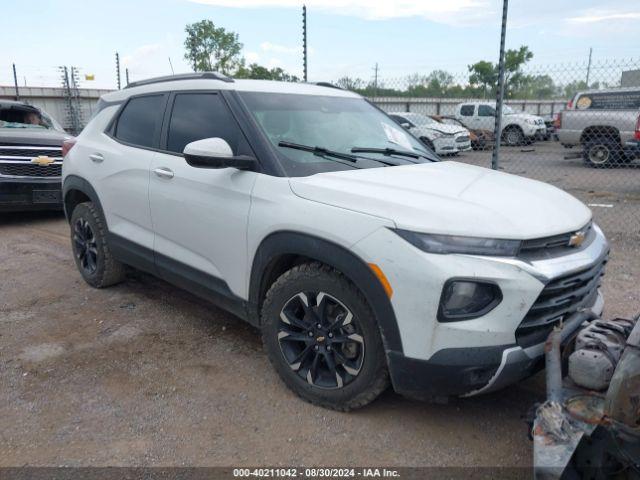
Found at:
[336, 256]
[74, 182]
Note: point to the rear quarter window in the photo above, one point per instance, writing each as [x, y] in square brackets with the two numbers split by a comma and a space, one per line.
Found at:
[139, 121]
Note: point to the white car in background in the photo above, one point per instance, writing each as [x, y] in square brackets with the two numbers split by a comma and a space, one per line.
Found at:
[443, 139]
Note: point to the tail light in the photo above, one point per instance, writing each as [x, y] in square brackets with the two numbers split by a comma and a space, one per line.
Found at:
[557, 122]
[637, 134]
[67, 145]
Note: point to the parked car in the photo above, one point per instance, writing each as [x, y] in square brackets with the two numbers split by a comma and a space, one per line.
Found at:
[605, 123]
[480, 139]
[517, 128]
[440, 138]
[311, 214]
[30, 158]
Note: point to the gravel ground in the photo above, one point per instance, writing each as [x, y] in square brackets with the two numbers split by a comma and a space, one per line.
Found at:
[144, 374]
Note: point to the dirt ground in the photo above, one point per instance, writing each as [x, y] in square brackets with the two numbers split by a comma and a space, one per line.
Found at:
[145, 374]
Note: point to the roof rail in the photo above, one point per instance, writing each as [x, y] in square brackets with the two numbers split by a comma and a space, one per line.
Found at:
[182, 76]
[327, 84]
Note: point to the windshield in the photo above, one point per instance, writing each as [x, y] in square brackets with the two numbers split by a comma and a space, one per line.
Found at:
[25, 116]
[336, 124]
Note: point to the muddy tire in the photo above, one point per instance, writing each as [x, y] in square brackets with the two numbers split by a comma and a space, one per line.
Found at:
[90, 249]
[323, 339]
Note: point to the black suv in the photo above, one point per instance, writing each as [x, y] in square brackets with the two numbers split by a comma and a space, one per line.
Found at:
[30, 158]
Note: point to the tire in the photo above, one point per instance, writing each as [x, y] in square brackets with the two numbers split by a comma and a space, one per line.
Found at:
[90, 249]
[348, 344]
[513, 136]
[602, 152]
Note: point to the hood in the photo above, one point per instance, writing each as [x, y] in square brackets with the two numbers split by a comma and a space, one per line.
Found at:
[450, 198]
[439, 127]
[524, 116]
[32, 136]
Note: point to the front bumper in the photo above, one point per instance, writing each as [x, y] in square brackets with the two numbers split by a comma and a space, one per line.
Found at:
[448, 145]
[477, 355]
[18, 194]
[474, 370]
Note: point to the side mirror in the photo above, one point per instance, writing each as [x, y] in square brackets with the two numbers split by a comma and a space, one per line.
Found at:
[215, 153]
[405, 125]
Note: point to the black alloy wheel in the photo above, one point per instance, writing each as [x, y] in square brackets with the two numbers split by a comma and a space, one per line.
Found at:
[320, 339]
[85, 246]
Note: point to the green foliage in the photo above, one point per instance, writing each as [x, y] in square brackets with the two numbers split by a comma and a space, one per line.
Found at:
[258, 72]
[211, 48]
[484, 74]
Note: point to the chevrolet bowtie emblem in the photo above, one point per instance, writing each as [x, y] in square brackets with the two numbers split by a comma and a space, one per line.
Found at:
[42, 160]
[577, 239]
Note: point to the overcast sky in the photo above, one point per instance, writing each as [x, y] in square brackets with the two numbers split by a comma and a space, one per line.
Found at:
[346, 37]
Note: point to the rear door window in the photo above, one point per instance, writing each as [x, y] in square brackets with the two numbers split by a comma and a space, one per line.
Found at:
[486, 111]
[139, 121]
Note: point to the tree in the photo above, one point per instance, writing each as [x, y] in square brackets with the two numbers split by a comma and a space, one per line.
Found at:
[349, 83]
[483, 73]
[258, 72]
[211, 48]
[513, 62]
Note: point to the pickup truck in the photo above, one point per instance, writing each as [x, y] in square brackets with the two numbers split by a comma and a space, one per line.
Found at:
[606, 123]
[518, 128]
[31, 151]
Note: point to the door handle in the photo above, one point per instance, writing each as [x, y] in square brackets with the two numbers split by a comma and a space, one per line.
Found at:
[96, 157]
[163, 172]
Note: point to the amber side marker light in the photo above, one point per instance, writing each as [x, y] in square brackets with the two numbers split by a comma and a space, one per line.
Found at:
[382, 278]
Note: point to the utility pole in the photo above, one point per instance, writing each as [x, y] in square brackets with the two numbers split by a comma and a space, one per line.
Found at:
[15, 82]
[304, 42]
[126, 75]
[589, 65]
[497, 129]
[170, 64]
[118, 69]
[375, 80]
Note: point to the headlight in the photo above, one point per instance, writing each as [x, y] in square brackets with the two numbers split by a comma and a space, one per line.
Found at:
[531, 121]
[457, 244]
[464, 299]
[435, 134]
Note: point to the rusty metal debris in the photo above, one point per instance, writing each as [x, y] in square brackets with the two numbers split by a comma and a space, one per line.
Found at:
[582, 433]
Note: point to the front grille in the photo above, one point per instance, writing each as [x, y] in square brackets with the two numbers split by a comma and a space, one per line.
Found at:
[29, 152]
[558, 299]
[462, 138]
[556, 245]
[28, 169]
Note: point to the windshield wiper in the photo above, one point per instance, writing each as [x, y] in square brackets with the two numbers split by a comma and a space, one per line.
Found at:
[321, 151]
[391, 151]
[325, 153]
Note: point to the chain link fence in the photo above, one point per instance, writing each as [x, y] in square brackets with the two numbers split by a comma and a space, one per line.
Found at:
[573, 126]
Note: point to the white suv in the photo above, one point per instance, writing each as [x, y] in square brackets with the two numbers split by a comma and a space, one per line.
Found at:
[311, 214]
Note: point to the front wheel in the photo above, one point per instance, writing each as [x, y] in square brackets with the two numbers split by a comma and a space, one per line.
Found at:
[322, 338]
[513, 136]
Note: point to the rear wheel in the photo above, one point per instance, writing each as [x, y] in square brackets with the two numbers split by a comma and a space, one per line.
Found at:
[602, 153]
[322, 337]
[90, 249]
